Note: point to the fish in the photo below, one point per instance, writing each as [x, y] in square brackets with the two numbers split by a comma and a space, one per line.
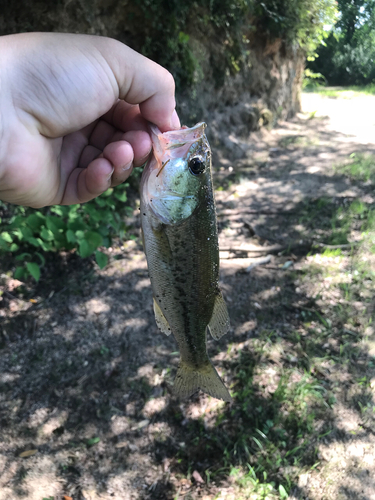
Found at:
[180, 239]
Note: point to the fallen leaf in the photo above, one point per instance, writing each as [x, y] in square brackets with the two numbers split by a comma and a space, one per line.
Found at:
[65, 497]
[33, 301]
[287, 264]
[121, 444]
[197, 477]
[13, 284]
[140, 425]
[27, 453]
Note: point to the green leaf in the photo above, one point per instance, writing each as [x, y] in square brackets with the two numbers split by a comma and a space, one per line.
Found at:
[85, 249]
[106, 193]
[23, 256]
[80, 235]
[18, 233]
[94, 239]
[19, 273]
[282, 491]
[121, 196]
[103, 230]
[6, 237]
[51, 226]
[58, 210]
[47, 234]
[33, 241]
[35, 221]
[47, 247]
[34, 270]
[76, 224]
[101, 259]
[101, 202]
[55, 224]
[13, 247]
[92, 441]
[26, 232]
[41, 257]
[70, 236]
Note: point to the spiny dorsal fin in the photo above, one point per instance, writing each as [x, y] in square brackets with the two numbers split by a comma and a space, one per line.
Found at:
[161, 320]
[219, 323]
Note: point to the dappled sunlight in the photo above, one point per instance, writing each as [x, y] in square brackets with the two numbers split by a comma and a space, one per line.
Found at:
[86, 377]
[352, 117]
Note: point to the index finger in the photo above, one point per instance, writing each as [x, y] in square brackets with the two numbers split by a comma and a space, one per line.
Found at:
[144, 82]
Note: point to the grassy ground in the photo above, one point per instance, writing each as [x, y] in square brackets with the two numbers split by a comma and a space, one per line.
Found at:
[287, 381]
[85, 379]
[342, 92]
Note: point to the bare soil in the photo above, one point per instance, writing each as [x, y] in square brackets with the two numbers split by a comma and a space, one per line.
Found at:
[85, 376]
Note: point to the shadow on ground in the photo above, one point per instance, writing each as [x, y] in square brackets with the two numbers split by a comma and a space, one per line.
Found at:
[85, 377]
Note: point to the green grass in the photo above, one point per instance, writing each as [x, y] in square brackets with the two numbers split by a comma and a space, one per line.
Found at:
[297, 141]
[270, 434]
[360, 168]
[343, 92]
[285, 386]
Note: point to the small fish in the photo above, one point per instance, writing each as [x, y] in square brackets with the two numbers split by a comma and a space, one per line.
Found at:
[181, 246]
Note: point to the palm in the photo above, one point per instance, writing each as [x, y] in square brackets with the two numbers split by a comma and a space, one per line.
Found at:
[67, 137]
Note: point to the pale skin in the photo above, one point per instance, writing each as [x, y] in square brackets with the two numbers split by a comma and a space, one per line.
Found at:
[73, 115]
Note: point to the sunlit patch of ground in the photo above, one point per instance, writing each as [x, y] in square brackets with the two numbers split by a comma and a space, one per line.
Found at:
[86, 379]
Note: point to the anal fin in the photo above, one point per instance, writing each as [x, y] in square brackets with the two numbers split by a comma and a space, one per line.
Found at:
[161, 320]
[219, 323]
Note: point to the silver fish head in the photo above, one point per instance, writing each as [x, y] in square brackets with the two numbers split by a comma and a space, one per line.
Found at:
[178, 174]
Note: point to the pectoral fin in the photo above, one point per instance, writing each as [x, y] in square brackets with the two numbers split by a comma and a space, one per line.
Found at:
[219, 323]
[161, 320]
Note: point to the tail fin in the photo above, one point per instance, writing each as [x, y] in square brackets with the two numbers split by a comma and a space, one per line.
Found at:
[189, 380]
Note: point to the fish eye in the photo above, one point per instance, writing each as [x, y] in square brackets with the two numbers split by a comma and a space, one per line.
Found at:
[196, 165]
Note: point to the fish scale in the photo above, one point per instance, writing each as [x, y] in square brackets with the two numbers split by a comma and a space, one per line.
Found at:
[181, 245]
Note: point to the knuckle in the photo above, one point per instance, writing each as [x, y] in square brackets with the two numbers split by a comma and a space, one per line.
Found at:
[169, 80]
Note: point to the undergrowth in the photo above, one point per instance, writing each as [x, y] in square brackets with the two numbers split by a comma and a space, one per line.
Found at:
[343, 92]
[286, 382]
[360, 168]
[27, 234]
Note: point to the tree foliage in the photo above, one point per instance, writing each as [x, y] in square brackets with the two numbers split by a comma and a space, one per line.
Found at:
[348, 57]
[227, 29]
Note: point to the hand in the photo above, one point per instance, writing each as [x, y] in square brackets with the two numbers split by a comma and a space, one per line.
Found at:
[73, 115]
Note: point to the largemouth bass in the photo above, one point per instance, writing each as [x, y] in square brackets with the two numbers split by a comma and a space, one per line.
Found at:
[181, 246]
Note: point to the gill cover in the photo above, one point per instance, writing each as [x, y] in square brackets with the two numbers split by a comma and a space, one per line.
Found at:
[180, 170]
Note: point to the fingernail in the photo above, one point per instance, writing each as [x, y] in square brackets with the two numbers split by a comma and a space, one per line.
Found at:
[143, 160]
[127, 166]
[175, 121]
[110, 175]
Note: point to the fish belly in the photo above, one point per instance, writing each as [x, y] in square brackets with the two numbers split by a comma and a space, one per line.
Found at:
[183, 262]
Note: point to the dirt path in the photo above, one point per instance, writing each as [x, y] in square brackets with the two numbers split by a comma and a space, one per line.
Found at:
[85, 377]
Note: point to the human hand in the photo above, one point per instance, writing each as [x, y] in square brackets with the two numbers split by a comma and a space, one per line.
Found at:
[73, 115]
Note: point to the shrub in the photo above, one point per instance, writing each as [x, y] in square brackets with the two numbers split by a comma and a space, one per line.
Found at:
[28, 234]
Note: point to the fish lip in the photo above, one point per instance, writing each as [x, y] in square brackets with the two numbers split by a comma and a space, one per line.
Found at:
[184, 134]
[169, 196]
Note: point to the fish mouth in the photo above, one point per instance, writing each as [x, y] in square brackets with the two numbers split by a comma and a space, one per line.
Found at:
[176, 196]
[174, 143]
[173, 195]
